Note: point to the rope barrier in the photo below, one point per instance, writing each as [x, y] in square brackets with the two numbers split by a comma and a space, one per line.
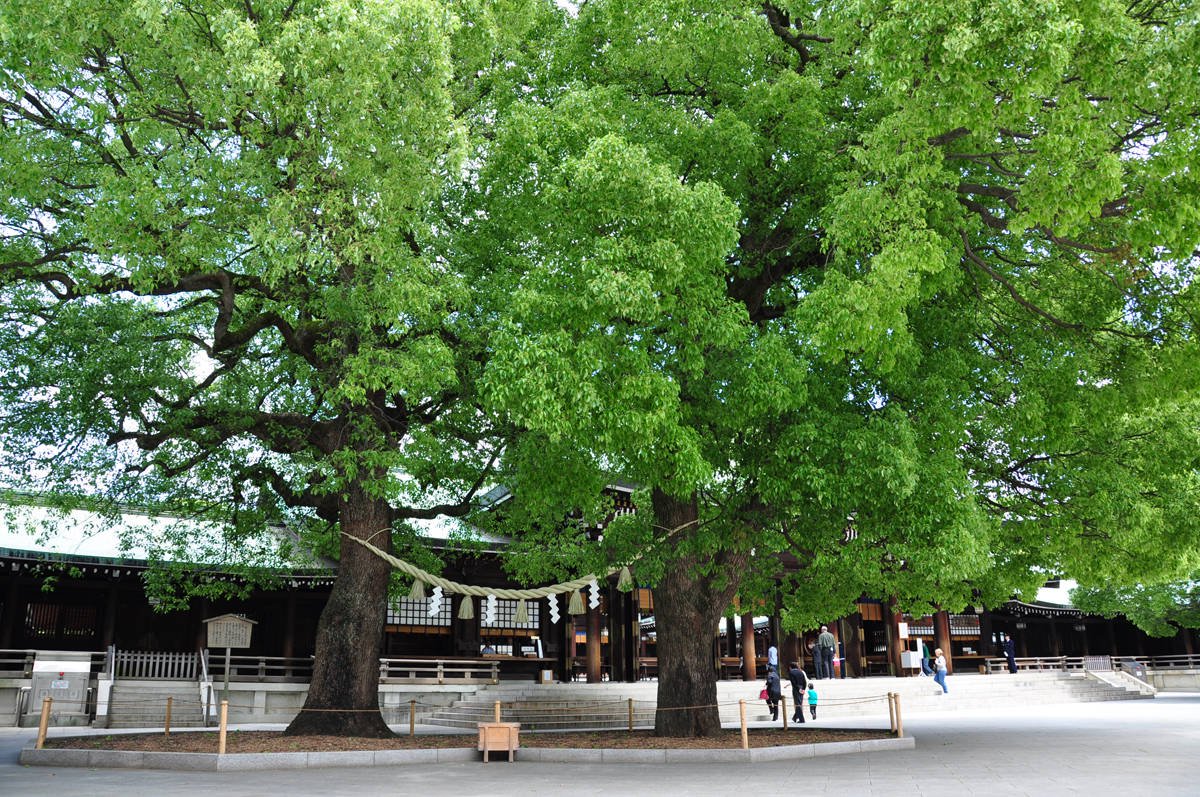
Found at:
[621, 703]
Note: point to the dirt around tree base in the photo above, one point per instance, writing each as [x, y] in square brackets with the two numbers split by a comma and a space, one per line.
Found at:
[276, 742]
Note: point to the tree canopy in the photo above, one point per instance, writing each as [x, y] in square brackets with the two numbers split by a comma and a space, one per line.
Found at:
[927, 265]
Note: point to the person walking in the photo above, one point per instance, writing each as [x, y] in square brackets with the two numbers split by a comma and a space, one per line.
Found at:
[812, 699]
[827, 644]
[939, 664]
[925, 668]
[814, 650]
[773, 693]
[773, 658]
[799, 680]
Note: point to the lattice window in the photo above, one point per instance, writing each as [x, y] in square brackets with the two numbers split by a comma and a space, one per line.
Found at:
[43, 620]
[506, 615]
[409, 611]
[964, 625]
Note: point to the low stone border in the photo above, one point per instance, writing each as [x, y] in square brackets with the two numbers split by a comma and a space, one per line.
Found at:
[234, 762]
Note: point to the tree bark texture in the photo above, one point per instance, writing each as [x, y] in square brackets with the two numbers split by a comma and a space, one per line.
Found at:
[343, 697]
[687, 611]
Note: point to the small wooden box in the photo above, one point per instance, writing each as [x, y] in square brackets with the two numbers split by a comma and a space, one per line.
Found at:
[497, 736]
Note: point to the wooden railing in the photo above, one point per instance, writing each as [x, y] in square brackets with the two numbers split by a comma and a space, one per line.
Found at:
[280, 669]
[16, 663]
[1037, 663]
[1096, 663]
[439, 671]
[156, 665]
[1181, 662]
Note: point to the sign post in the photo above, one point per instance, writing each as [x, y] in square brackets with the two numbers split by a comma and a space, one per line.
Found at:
[229, 631]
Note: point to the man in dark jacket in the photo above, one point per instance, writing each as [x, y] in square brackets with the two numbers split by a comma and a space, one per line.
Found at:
[799, 681]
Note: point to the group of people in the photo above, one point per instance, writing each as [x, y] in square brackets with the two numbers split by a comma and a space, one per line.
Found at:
[802, 687]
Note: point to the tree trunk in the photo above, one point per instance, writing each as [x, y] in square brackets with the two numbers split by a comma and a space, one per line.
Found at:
[343, 697]
[687, 610]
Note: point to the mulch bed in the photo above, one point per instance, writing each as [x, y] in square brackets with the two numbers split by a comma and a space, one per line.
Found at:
[276, 742]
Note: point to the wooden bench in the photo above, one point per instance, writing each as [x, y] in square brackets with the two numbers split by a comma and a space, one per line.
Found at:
[499, 736]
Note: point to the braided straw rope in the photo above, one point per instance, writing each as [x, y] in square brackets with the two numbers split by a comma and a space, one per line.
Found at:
[480, 592]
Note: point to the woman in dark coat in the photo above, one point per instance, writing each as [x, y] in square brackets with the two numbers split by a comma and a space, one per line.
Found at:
[773, 693]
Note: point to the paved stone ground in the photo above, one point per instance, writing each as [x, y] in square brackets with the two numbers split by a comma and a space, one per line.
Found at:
[1144, 747]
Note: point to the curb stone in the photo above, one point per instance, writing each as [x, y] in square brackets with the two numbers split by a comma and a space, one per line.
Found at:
[212, 762]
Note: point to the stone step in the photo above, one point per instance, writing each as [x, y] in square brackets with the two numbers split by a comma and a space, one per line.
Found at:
[597, 705]
[143, 704]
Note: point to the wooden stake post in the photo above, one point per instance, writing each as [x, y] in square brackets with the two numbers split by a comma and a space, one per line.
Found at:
[44, 722]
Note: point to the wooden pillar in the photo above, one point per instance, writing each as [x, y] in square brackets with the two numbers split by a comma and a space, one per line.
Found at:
[289, 626]
[789, 651]
[622, 634]
[749, 662]
[941, 634]
[773, 626]
[854, 645]
[895, 645]
[987, 641]
[464, 632]
[616, 635]
[563, 634]
[108, 635]
[1055, 638]
[1189, 642]
[593, 645]
[633, 634]
[8, 612]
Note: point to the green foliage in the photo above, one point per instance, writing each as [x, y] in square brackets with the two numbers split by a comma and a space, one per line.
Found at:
[960, 305]
[1158, 609]
[928, 264]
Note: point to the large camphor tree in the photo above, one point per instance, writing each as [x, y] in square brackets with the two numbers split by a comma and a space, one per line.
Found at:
[960, 307]
[223, 291]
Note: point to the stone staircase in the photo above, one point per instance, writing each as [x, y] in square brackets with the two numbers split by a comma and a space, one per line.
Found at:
[606, 705]
[143, 704]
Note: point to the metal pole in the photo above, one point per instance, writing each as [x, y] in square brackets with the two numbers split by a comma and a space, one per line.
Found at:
[44, 722]
[742, 713]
